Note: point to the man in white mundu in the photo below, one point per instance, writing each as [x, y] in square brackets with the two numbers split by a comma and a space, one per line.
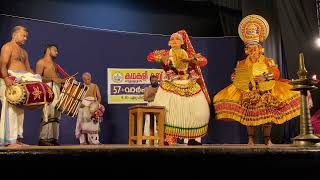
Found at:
[15, 67]
[88, 125]
[48, 69]
[148, 95]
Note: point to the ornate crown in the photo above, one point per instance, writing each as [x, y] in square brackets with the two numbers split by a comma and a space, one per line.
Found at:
[253, 29]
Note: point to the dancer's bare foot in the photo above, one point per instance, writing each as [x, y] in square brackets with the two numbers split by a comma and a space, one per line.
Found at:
[170, 140]
[169, 143]
[22, 144]
[269, 143]
[19, 141]
[250, 141]
[15, 145]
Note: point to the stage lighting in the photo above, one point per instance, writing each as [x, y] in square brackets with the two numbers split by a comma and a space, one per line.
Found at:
[318, 41]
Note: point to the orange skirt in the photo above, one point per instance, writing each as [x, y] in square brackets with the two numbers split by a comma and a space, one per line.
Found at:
[253, 109]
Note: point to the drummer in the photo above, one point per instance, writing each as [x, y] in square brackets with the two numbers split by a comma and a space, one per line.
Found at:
[15, 67]
[49, 71]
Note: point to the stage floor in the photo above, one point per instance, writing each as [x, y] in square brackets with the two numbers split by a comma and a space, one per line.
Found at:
[216, 148]
[236, 156]
[178, 146]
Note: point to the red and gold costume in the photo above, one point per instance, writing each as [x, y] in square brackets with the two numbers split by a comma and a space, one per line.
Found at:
[183, 91]
[257, 95]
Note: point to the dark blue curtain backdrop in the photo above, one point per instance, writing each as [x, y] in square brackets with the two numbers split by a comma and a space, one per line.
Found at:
[82, 49]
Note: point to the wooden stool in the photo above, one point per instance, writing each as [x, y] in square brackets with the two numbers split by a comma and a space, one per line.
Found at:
[140, 111]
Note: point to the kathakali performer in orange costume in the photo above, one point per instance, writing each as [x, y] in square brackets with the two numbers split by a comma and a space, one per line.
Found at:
[257, 95]
[183, 92]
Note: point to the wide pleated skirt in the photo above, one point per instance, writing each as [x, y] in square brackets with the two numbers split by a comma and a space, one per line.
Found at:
[186, 116]
[277, 107]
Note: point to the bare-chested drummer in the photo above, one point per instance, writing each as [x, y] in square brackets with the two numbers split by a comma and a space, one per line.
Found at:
[47, 68]
[15, 67]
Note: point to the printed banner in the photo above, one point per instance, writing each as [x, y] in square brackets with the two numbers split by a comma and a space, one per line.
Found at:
[126, 86]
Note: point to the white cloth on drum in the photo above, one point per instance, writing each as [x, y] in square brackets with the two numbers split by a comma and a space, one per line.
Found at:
[87, 130]
[24, 76]
[50, 126]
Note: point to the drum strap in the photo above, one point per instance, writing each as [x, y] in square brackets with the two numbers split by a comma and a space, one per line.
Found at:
[50, 120]
[61, 71]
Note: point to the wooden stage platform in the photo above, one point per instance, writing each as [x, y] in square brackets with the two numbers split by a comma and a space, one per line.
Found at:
[236, 156]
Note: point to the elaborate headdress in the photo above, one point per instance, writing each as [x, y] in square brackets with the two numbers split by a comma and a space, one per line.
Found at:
[186, 41]
[253, 29]
[177, 35]
[191, 53]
